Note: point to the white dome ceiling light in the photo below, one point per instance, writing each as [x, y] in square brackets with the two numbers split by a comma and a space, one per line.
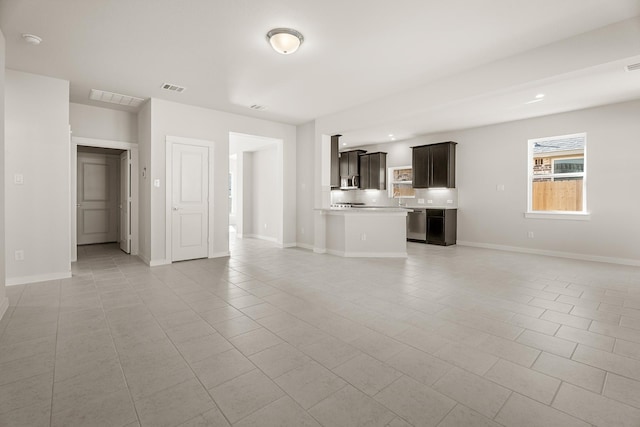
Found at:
[32, 39]
[285, 40]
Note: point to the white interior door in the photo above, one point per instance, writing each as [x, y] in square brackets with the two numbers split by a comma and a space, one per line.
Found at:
[190, 206]
[125, 201]
[97, 179]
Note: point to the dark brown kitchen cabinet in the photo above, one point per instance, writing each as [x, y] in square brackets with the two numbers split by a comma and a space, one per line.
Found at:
[442, 226]
[434, 165]
[373, 171]
[335, 161]
[349, 163]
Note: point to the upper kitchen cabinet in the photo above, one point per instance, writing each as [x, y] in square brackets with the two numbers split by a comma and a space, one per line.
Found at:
[349, 163]
[434, 165]
[335, 161]
[373, 168]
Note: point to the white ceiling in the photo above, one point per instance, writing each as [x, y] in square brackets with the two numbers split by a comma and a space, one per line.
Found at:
[356, 53]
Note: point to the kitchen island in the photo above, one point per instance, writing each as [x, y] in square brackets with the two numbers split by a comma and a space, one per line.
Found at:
[365, 232]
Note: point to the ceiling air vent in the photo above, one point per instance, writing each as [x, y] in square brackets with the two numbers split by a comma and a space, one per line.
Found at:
[633, 67]
[115, 98]
[173, 88]
[257, 107]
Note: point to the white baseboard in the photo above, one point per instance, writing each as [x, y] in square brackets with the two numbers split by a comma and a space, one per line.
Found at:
[559, 254]
[304, 246]
[319, 250]
[368, 254]
[4, 306]
[158, 262]
[287, 245]
[37, 278]
[260, 237]
[219, 254]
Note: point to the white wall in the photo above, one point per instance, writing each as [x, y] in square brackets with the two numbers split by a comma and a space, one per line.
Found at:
[37, 145]
[497, 154]
[173, 119]
[103, 123]
[264, 221]
[144, 148]
[245, 208]
[305, 136]
[4, 302]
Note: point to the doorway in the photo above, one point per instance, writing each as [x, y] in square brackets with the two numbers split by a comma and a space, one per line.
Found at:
[99, 193]
[256, 190]
[104, 194]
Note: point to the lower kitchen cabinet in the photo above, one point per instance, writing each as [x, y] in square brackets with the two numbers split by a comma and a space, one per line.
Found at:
[442, 226]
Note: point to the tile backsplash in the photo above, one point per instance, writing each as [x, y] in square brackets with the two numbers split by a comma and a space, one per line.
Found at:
[438, 197]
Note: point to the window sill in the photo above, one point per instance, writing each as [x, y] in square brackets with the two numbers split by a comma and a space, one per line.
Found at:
[571, 216]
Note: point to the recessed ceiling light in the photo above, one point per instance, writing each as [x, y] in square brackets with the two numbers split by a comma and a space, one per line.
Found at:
[285, 40]
[534, 101]
[393, 139]
[32, 39]
[540, 96]
[344, 143]
[390, 135]
[257, 107]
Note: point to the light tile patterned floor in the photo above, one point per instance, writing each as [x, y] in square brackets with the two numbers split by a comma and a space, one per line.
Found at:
[449, 337]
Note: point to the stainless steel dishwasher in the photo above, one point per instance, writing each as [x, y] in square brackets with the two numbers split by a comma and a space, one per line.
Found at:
[417, 225]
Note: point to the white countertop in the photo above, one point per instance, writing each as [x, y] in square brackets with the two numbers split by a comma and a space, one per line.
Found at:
[379, 210]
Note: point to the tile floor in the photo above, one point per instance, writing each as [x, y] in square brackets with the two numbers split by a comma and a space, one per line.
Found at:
[449, 337]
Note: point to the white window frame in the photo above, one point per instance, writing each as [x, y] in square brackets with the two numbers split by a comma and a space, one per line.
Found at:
[571, 215]
[391, 182]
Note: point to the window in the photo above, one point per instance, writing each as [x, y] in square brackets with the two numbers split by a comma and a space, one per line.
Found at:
[557, 174]
[400, 179]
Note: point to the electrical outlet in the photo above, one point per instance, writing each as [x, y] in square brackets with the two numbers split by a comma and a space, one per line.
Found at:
[421, 201]
[19, 255]
[500, 187]
[530, 234]
[450, 202]
[363, 237]
[429, 202]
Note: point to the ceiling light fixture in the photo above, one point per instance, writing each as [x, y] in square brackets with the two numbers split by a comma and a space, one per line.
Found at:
[32, 39]
[285, 40]
[540, 96]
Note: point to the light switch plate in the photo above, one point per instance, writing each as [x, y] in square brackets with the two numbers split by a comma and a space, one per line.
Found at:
[18, 179]
[156, 183]
[421, 201]
[429, 202]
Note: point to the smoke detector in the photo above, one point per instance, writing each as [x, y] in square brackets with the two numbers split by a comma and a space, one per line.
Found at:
[115, 98]
[173, 88]
[32, 39]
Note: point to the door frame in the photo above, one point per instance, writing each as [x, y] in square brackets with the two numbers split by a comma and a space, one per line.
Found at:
[169, 141]
[102, 143]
